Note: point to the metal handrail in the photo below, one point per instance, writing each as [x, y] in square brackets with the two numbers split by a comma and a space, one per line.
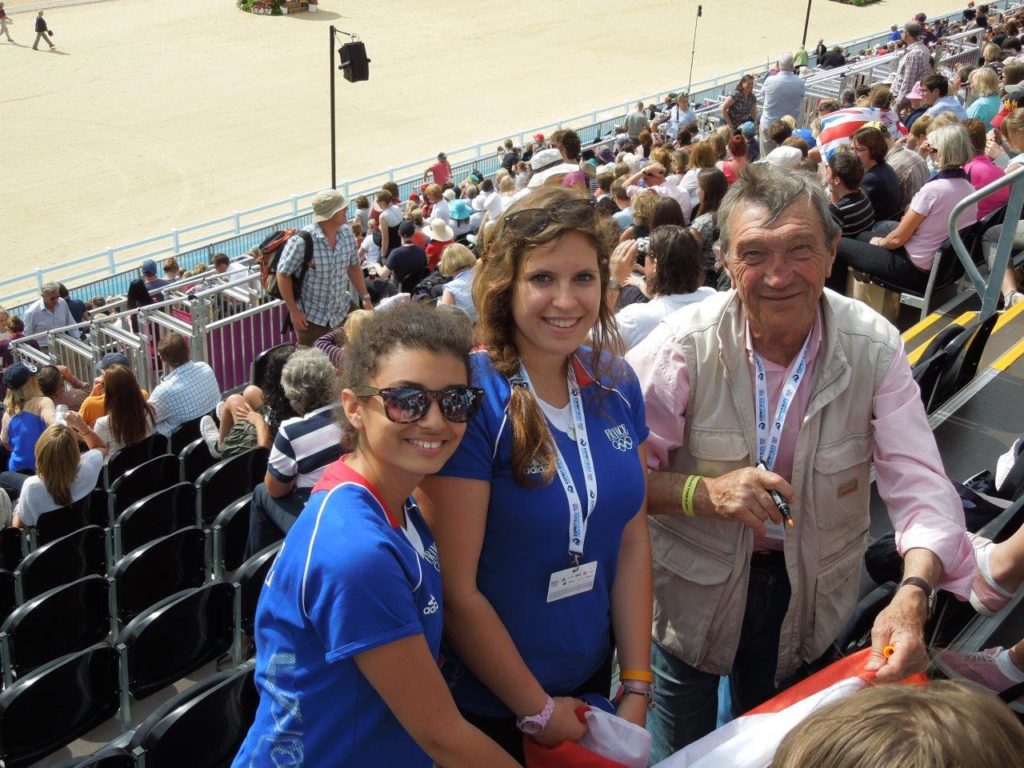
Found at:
[989, 289]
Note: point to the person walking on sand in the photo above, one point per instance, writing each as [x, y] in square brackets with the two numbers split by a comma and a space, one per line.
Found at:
[42, 32]
[4, 21]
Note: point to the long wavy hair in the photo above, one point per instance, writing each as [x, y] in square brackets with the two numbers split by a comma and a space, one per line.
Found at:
[130, 417]
[500, 265]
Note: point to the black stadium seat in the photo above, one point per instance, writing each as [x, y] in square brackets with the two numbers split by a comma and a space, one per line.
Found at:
[248, 581]
[60, 522]
[230, 536]
[157, 570]
[195, 459]
[133, 455]
[67, 559]
[172, 638]
[227, 481]
[202, 727]
[185, 434]
[156, 515]
[138, 482]
[56, 703]
[60, 621]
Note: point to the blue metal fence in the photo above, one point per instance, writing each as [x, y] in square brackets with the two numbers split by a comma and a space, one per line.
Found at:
[243, 230]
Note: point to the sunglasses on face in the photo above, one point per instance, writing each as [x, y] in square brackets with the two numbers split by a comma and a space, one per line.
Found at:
[530, 221]
[409, 404]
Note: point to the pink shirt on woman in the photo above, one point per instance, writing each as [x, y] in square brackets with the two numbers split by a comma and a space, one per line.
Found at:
[935, 201]
[982, 172]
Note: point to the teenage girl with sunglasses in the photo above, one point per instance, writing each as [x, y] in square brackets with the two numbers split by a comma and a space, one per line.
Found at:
[348, 627]
[540, 515]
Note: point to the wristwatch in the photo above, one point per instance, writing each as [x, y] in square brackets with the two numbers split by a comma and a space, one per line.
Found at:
[924, 586]
[531, 725]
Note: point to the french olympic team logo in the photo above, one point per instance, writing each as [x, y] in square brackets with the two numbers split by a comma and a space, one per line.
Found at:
[619, 437]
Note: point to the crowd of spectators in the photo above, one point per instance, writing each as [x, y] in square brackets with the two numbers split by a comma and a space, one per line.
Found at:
[637, 246]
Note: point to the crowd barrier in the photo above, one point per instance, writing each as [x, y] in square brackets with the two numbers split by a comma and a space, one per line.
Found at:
[109, 272]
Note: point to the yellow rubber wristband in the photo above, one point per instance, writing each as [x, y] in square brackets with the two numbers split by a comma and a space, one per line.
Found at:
[637, 675]
[689, 491]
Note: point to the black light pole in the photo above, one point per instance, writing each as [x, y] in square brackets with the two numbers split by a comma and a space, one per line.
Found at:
[334, 160]
[807, 21]
[693, 49]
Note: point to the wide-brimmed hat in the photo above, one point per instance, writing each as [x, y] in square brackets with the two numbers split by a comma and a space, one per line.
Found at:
[16, 376]
[439, 231]
[460, 209]
[327, 203]
[546, 158]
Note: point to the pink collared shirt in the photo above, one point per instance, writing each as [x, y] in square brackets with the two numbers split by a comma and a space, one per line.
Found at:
[923, 506]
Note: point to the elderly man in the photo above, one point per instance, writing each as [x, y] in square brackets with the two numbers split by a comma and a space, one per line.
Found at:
[315, 287]
[915, 65]
[782, 94]
[781, 387]
[188, 391]
[48, 312]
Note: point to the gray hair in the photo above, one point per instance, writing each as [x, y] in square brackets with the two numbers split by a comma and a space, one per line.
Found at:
[774, 189]
[309, 380]
[913, 29]
[786, 62]
[49, 288]
[953, 144]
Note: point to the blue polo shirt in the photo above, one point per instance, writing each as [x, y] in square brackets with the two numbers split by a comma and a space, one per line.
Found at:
[526, 538]
[348, 579]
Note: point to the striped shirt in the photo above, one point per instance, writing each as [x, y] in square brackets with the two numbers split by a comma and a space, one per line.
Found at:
[304, 446]
[854, 213]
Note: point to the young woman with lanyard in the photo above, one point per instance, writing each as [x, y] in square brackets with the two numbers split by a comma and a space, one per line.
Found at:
[540, 514]
[348, 627]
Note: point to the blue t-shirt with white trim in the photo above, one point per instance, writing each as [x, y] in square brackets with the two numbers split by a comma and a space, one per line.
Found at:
[526, 537]
[346, 581]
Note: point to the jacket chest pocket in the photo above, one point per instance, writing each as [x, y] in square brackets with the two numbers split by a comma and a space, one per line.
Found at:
[717, 451]
[841, 484]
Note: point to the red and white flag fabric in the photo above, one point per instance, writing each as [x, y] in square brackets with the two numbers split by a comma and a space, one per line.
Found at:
[837, 127]
[750, 741]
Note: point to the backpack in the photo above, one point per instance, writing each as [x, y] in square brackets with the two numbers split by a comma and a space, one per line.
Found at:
[270, 255]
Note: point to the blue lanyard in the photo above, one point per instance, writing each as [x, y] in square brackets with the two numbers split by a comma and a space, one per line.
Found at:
[769, 435]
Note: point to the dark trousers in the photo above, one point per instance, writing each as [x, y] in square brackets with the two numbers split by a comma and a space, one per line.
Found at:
[503, 731]
[41, 36]
[13, 481]
[892, 266]
[686, 699]
[311, 333]
[270, 519]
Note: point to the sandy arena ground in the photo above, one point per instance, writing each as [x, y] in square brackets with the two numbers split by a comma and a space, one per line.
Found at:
[154, 115]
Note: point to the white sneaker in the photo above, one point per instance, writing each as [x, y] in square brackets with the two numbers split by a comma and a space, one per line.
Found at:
[211, 434]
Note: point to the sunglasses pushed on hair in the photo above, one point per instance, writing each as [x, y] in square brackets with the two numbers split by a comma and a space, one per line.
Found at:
[409, 404]
[530, 221]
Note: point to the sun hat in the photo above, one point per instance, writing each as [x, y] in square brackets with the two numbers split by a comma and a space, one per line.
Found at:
[448, 194]
[460, 210]
[917, 92]
[327, 203]
[546, 158]
[439, 231]
[18, 374]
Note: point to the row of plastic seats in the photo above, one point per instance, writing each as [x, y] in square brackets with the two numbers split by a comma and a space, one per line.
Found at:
[96, 680]
[951, 359]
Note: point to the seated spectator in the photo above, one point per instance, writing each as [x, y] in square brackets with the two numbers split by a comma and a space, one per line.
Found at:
[128, 419]
[850, 206]
[441, 236]
[64, 475]
[624, 218]
[187, 392]
[334, 341]
[984, 84]
[58, 383]
[77, 307]
[46, 314]
[917, 106]
[673, 273]
[138, 296]
[461, 212]
[153, 283]
[653, 176]
[903, 254]
[302, 449]
[251, 419]
[407, 264]
[94, 406]
[458, 263]
[711, 188]
[702, 156]
[982, 171]
[749, 132]
[26, 414]
[223, 265]
[5, 327]
[567, 142]
[910, 168]
[737, 162]
[938, 99]
[643, 203]
[880, 182]
[897, 726]
[389, 219]
[435, 205]
[172, 270]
